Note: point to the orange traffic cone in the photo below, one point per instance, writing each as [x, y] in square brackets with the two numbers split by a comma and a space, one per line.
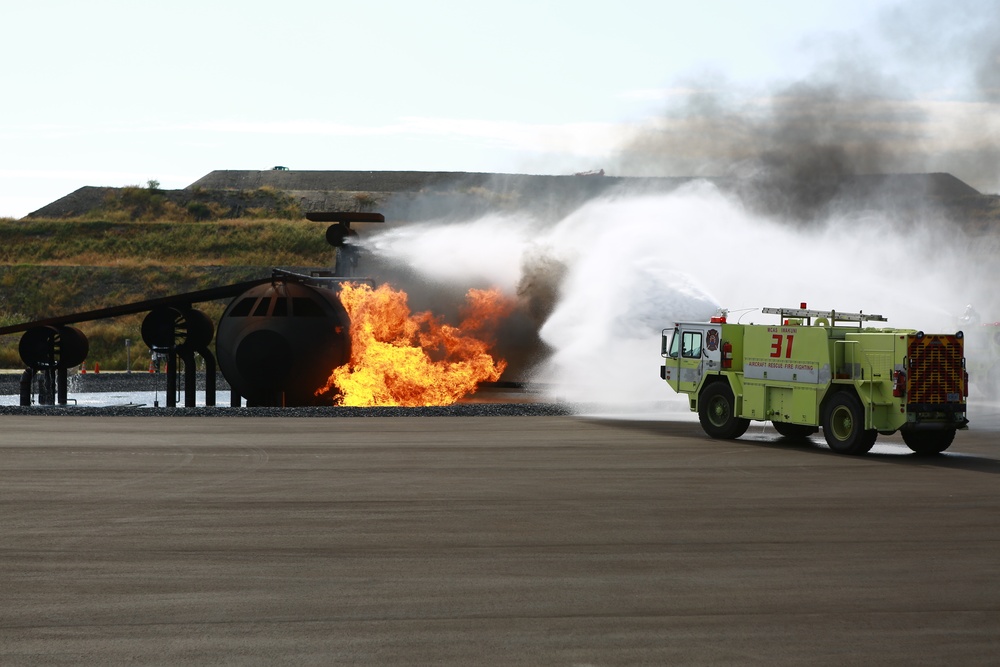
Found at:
[151, 366]
[97, 367]
[83, 368]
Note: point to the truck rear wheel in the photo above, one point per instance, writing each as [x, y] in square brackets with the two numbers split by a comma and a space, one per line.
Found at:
[844, 425]
[928, 443]
[794, 431]
[717, 413]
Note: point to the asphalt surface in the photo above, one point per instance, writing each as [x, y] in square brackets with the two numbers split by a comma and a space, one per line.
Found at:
[488, 540]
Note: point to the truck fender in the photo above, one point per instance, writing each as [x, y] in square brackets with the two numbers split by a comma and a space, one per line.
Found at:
[833, 391]
[734, 385]
[868, 434]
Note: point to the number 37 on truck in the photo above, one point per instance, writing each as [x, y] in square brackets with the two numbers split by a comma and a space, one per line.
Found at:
[817, 369]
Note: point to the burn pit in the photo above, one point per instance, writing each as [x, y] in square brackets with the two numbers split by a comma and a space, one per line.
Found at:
[409, 359]
[340, 342]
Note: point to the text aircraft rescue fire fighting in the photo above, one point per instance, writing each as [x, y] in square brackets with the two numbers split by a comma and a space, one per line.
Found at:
[277, 342]
[821, 368]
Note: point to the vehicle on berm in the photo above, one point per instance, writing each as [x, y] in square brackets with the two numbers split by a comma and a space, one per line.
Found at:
[816, 368]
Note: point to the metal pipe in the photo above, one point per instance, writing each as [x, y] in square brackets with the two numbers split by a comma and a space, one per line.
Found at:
[171, 378]
[27, 377]
[190, 380]
[209, 358]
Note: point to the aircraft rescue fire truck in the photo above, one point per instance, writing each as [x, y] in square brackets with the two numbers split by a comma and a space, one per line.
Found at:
[821, 368]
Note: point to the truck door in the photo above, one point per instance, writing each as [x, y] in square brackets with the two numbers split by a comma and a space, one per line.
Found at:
[694, 350]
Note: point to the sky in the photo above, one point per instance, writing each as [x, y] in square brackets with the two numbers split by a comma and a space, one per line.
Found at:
[114, 93]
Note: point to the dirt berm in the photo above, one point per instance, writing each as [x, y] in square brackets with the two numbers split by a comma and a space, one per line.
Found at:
[413, 195]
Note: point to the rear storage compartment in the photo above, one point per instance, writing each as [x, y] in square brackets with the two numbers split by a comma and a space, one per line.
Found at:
[937, 383]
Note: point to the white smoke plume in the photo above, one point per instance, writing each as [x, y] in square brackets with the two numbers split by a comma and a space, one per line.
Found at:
[618, 270]
[789, 215]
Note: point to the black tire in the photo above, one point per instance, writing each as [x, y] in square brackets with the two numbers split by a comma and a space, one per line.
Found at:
[928, 443]
[717, 414]
[844, 425]
[794, 431]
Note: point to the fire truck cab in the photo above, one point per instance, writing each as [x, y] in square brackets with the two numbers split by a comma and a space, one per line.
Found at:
[825, 369]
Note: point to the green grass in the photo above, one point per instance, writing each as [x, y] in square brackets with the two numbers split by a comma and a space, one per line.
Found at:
[57, 267]
[104, 243]
[29, 293]
[150, 203]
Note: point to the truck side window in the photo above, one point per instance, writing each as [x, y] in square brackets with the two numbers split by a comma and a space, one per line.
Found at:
[691, 345]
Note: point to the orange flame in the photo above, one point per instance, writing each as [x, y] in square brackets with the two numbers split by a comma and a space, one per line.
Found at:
[399, 358]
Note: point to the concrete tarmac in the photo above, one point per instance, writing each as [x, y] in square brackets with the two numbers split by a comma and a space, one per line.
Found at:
[499, 541]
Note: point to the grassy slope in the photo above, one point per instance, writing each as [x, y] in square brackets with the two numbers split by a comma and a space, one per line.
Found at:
[52, 268]
[236, 242]
[55, 267]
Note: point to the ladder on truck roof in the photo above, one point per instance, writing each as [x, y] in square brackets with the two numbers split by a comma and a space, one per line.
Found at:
[832, 316]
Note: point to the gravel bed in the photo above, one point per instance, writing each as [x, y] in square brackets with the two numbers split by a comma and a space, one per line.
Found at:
[458, 410]
[130, 382]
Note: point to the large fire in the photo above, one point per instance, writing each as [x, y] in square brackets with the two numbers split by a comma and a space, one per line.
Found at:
[414, 359]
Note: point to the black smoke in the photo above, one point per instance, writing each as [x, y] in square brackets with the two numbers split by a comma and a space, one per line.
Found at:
[797, 149]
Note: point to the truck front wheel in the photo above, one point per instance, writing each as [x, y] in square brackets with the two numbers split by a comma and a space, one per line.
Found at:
[717, 413]
[928, 443]
[844, 425]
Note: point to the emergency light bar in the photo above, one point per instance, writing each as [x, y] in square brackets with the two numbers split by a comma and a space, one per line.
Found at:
[831, 316]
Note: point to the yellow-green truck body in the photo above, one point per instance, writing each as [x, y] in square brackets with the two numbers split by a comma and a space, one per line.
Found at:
[815, 369]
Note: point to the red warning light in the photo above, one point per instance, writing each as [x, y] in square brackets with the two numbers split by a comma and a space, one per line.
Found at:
[802, 305]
